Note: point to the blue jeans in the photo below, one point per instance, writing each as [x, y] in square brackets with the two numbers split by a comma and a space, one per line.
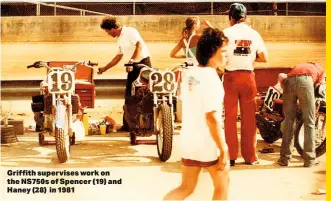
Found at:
[299, 88]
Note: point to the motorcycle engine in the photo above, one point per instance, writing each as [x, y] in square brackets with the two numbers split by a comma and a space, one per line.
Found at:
[138, 110]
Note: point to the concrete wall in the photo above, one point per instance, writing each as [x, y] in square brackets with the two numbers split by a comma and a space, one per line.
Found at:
[152, 28]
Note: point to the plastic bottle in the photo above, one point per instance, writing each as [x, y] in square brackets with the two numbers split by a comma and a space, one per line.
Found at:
[85, 122]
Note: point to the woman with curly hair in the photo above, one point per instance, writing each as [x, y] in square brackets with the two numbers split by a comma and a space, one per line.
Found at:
[202, 139]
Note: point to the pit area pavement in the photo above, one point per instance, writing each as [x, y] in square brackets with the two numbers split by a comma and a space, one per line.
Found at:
[145, 177]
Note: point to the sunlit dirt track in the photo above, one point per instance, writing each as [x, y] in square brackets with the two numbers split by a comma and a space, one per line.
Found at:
[16, 56]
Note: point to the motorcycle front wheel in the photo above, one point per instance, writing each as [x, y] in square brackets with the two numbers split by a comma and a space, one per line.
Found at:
[320, 135]
[61, 133]
[164, 132]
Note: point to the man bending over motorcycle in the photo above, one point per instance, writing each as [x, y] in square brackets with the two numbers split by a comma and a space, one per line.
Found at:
[131, 46]
[299, 85]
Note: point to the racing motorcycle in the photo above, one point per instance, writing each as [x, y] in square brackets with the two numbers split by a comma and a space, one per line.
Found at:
[56, 105]
[270, 119]
[150, 108]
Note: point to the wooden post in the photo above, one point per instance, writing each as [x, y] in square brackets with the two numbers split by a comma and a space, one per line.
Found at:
[55, 8]
[38, 9]
[212, 7]
[274, 8]
[134, 8]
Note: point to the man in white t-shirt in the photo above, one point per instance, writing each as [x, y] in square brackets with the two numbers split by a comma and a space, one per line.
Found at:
[244, 48]
[131, 47]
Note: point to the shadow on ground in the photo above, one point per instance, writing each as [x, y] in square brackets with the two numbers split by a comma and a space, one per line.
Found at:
[116, 151]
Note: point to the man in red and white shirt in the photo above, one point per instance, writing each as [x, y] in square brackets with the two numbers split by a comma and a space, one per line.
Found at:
[299, 85]
[244, 48]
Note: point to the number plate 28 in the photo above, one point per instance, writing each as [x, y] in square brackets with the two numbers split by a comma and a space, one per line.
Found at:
[272, 94]
[61, 81]
[162, 82]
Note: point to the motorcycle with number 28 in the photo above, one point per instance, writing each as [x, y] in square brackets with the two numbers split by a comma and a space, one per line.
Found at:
[150, 108]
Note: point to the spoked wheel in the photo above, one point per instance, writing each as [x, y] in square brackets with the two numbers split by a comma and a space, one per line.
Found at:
[62, 140]
[320, 135]
[164, 132]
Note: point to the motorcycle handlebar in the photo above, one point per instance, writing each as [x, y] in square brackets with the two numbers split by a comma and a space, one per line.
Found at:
[40, 64]
[130, 64]
[37, 64]
[92, 63]
[30, 66]
[139, 65]
[186, 64]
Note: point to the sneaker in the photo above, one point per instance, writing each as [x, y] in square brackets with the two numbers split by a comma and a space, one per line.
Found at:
[283, 162]
[311, 164]
[252, 163]
[232, 162]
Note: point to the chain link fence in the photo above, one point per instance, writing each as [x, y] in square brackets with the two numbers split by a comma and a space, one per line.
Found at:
[158, 8]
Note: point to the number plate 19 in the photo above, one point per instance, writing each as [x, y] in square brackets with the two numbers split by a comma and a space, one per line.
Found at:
[162, 82]
[272, 94]
[61, 81]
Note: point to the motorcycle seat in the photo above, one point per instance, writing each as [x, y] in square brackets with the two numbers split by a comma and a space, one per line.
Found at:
[278, 101]
[144, 75]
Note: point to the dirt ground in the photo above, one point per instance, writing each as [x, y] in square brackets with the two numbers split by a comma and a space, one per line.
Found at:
[144, 177]
[16, 56]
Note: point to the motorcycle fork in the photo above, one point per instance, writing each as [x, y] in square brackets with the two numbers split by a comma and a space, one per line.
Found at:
[69, 113]
[67, 102]
[155, 111]
[54, 97]
[156, 108]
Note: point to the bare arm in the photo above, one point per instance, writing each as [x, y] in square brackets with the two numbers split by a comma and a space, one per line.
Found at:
[320, 79]
[207, 24]
[215, 128]
[176, 49]
[113, 62]
[137, 51]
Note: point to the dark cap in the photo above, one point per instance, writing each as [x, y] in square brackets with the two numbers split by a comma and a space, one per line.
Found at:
[237, 11]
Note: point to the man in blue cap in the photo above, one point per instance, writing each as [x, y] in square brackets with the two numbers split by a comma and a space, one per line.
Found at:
[244, 48]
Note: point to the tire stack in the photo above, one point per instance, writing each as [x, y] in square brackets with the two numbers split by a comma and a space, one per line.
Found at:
[8, 135]
[17, 124]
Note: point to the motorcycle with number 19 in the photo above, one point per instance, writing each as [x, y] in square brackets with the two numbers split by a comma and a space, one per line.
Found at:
[270, 118]
[58, 104]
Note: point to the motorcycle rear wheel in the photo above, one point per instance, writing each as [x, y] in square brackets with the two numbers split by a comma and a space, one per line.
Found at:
[320, 135]
[164, 132]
